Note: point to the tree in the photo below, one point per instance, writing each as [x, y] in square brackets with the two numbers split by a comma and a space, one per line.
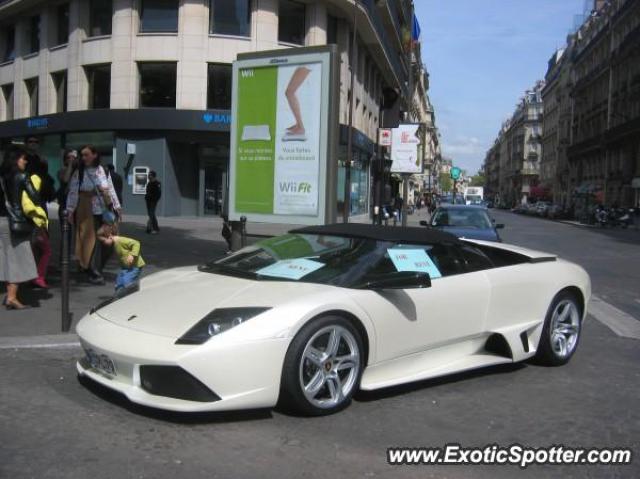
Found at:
[445, 182]
[477, 180]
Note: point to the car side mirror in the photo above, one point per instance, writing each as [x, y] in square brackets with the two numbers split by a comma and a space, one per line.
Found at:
[398, 280]
[424, 223]
[499, 226]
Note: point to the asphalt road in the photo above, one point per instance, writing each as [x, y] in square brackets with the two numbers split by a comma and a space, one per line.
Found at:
[52, 426]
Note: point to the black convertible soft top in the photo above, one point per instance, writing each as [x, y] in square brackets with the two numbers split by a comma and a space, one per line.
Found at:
[396, 234]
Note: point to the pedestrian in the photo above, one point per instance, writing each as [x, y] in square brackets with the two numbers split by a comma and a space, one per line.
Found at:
[39, 214]
[152, 197]
[91, 202]
[397, 205]
[116, 179]
[128, 252]
[17, 264]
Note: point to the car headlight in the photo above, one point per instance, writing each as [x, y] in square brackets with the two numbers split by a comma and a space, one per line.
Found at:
[216, 322]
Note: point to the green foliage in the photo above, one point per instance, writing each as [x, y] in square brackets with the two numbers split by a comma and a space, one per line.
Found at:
[477, 180]
[446, 184]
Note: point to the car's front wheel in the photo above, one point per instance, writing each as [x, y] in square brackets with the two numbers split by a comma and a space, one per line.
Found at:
[323, 366]
[561, 331]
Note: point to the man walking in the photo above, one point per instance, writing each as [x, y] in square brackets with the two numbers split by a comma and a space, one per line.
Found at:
[152, 197]
[117, 181]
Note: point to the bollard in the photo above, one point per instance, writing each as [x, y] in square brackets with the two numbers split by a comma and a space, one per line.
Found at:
[64, 262]
[243, 231]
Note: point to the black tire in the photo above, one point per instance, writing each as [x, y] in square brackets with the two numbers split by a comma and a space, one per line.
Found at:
[292, 396]
[546, 354]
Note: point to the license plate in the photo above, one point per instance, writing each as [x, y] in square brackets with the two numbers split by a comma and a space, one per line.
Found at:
[101, 362]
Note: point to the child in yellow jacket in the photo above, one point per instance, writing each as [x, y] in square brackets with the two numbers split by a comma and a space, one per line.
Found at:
[128, 252]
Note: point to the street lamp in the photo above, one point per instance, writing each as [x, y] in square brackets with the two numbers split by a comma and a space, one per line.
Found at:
[347, 165]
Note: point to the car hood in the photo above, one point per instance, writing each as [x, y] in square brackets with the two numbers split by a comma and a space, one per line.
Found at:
[471, 233]
[171, 302]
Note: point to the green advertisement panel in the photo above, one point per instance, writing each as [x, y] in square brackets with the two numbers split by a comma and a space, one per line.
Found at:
[256, 148]
[280, 136]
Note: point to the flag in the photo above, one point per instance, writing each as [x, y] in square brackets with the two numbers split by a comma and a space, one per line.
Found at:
[415, 29]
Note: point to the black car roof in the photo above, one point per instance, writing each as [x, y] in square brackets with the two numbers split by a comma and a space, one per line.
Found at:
[463, 207]
[399, 234]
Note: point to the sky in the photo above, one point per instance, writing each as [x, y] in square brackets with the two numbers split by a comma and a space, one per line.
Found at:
[481, 57]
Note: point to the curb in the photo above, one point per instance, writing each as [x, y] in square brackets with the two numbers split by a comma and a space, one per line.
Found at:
[49, 341]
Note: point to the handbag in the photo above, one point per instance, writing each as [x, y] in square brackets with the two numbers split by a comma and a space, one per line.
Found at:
[19, 224]
[108, 215]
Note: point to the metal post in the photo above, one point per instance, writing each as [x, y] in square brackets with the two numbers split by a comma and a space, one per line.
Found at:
[64, 262]
[243, 231]
[236, 235]
[405, 197]
[347, 165]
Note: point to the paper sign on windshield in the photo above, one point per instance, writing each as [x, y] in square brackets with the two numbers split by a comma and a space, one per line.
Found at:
[416, 260]
[291, 268]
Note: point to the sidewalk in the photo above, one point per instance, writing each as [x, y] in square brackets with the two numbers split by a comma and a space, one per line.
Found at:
[183, 241]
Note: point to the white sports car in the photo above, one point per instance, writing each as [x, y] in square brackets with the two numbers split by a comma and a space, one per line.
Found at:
[310, 317]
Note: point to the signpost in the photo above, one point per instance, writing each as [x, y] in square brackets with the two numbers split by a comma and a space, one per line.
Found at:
[284, 129]
[455, 176]
[405, 157]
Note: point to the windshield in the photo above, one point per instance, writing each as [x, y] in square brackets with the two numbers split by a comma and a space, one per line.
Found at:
[332, 260]
[467, 218]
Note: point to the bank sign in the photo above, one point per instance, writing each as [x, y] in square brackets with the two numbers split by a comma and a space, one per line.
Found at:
[279, 139]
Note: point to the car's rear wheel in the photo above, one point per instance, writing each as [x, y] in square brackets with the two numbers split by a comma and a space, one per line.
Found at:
[323, 366]
[561, 332]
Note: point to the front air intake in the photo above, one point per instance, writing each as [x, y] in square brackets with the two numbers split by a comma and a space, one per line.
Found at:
[174, 382]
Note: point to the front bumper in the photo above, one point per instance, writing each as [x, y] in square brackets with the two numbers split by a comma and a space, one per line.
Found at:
[242, 375]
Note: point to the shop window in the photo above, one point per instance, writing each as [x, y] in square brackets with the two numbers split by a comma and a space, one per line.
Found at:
[7, 96]
[60, 87]
[291, 22]
[9, 50]
[32, 95]
[99, 78]
[100, 17]
[230, 17]
[62, 27]
[159, 16]
[157, 85]
[34, 34]
[219, 87]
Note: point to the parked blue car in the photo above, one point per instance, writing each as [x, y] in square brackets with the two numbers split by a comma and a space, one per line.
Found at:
[471, 222]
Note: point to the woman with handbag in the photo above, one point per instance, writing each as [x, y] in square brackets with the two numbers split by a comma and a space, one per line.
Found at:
[91, 202]
[17, 264]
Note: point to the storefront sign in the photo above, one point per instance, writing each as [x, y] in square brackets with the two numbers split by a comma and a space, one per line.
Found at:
[405, 143]
[279, 130]
[38, 123]
[384, 136]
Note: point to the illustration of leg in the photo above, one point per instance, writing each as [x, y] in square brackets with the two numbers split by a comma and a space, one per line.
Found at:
[297, 79]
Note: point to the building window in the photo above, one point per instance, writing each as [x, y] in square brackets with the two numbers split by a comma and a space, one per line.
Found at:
[100, 17]
[219, 87]
[157, 85]
[32, 93]
[34, 34]
[230, 17]
[9, 51]
[99, 79]
[291, 22]
[62, 14]
[60, 87]
[159, 16]
[332, 29]
[7, 95]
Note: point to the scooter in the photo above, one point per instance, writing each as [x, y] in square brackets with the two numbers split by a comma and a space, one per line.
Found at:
[621, 217]
[602, 217]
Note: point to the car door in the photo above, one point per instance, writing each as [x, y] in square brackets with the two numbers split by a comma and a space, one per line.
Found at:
[452, 310]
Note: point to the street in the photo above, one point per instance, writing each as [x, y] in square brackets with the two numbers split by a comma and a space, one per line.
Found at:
[53, 426]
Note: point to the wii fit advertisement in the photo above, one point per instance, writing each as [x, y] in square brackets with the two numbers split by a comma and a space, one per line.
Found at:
[278, 150]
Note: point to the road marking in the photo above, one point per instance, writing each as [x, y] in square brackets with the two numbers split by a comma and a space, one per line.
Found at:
[618, 321]
[53, 341]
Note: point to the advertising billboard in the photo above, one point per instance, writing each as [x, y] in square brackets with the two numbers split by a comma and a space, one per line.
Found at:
[280, 137]
[405, 150]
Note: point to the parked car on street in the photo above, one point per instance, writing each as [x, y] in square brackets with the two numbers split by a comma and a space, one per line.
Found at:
[308, 318]
[471, 222]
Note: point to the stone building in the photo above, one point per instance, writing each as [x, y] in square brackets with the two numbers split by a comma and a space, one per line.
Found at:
[149, 82]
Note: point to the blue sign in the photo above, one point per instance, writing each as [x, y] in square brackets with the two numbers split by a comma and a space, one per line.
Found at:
[414, 260]
[291, 268]
[38, 123]
[219, 118]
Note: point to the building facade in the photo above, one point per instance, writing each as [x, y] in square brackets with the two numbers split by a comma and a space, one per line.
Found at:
[149, 82]
[604, 155]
